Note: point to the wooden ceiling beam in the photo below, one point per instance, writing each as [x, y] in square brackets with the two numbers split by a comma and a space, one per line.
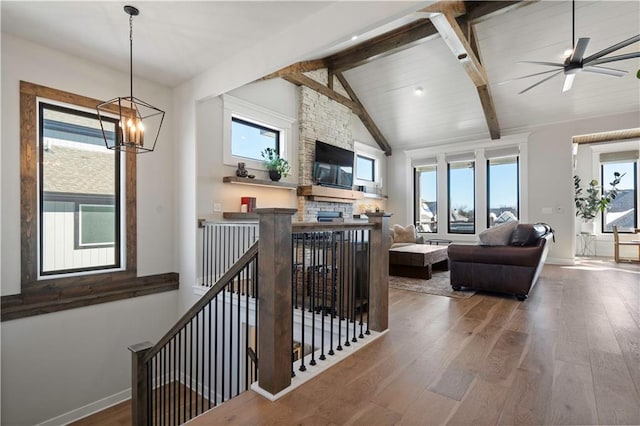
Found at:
[382, 45]
[407, 35]
[365, 117]
[469, 58]
[303, 80]
[298, 67]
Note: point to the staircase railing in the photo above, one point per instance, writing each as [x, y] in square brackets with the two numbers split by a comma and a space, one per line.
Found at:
[334, 273]
[208, 357]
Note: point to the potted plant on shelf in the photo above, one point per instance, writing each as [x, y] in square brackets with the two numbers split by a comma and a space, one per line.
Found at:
[595, 201]
[277, 166]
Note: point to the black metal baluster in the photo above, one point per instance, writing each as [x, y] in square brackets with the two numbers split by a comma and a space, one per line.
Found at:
[246, 328]
[210, 357]
[163, 363]
[222, 331]
[347, 267]
[361, 281]
[215, 344]
[230, 369]
[173, 382]
[149, 367]
[323, 308]
[255, 314]
[312, 303]
[202, 361]
[184, 375]
[353, 284]
[341, 290]
[179, 384]
[333, 271]
[238, 331]
[293, 296]
[302, 310]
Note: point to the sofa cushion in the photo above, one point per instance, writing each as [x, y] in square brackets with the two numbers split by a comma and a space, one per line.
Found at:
[528, 235]
[498, 235]
[404, 234]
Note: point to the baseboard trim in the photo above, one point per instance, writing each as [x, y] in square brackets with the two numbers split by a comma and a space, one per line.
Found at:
[87, 410]
[560, 261]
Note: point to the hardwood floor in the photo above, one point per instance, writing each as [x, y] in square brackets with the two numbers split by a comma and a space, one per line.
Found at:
[570, 354]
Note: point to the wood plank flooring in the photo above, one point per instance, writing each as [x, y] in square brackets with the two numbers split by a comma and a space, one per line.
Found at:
[570, 354]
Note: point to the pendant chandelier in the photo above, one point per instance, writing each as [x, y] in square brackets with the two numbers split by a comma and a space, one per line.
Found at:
[137, 119]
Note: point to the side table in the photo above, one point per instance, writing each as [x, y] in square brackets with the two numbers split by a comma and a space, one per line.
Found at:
[586, 244]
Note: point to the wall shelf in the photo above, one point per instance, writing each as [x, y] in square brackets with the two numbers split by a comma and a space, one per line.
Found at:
[375, 196]
[259, 182]
[240, 216]
[332, 195]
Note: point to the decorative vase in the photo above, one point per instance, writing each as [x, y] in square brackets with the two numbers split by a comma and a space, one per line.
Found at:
[274, 175]
[587, 227]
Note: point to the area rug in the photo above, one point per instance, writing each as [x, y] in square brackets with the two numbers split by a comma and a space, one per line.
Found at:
[438, 285]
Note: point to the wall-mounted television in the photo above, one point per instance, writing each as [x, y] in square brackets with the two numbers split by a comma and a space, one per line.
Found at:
[333, 166]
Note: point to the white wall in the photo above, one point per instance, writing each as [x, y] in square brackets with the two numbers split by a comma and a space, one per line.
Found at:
[55, 363]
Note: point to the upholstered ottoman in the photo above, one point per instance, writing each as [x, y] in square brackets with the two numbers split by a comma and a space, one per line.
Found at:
[417, 260]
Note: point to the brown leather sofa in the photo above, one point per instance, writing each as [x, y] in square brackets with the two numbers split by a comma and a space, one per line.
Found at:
[511, 269]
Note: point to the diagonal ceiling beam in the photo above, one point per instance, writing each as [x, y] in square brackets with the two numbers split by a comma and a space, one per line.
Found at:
[303, 80]
[365, 117]
[467, 54]
[298, 67]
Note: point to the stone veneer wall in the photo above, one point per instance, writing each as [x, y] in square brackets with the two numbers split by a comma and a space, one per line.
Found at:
[322, 119]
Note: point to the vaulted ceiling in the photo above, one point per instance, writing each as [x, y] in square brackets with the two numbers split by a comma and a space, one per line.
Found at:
[183, 39]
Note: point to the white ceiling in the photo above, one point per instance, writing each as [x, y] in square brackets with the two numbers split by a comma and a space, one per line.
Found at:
[174, 41]
[450, 108]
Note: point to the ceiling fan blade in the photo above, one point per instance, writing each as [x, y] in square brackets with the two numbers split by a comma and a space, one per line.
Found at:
[551, 64]
[568, 82]
[525, 76]
[612, 59]
[579, 50]
[541, 81]
[607, 71]
[612, 49]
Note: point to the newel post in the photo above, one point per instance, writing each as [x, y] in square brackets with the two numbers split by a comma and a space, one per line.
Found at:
[379, 272]
[139, 381]
[275, 308]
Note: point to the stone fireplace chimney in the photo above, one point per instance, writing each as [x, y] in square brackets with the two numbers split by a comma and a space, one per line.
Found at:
[320, 118]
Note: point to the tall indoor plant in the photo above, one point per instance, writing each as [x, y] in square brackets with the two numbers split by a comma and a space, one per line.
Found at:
[277, 166]
[589, 205]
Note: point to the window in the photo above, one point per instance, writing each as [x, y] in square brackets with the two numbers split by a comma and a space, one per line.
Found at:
[425, 198]
[76, 166]
[96, 225]
[90, 217]
[365, 168]
[503, 196]
[247, 129]
[461, 184]
[249, 139]
[622, 211]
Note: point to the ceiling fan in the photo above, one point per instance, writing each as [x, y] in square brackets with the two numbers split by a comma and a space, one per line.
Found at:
[576, 62]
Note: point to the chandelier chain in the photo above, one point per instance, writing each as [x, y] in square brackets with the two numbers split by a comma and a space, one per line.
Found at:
[131, 55]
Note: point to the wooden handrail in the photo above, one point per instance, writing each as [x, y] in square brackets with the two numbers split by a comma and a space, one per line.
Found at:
[204, 300]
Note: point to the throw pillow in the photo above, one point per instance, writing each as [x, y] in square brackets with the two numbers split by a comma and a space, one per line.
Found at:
[498, 235]
[402, 234]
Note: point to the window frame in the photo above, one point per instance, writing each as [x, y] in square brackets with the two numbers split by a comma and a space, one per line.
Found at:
[42, 105]
[449, 207]
[258, 126]
[416, 196]
[635, 197]
[488, 192]
[42, 296]
[373, 168]
[246, 111]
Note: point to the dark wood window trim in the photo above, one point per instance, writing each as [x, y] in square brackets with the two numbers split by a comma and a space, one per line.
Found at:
[51, 295]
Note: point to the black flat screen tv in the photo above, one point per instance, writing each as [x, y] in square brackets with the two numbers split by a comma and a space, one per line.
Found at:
[333, 166]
